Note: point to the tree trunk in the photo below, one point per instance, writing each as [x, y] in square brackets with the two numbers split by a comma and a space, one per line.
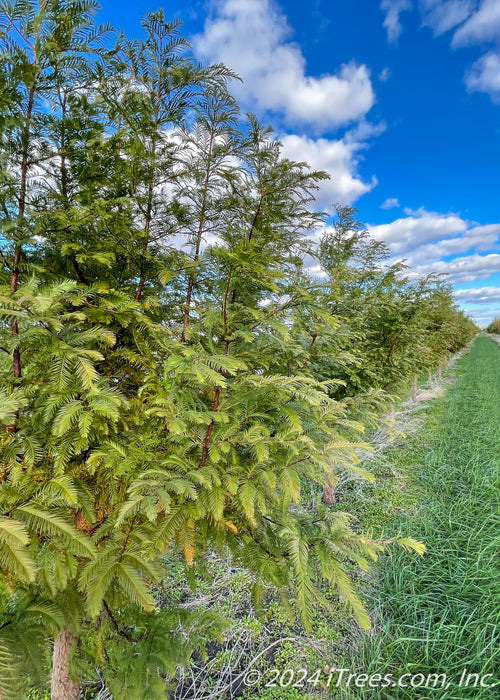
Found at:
[329, 494]
[14, 274]
[62, 687]
[189, 293]
[414, 391]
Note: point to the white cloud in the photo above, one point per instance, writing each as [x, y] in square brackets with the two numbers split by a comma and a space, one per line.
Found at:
[316, 271]
[390, 203]
[479, 24]
[483, 25]
[424, 238]
[442, 16]
[427, 236]
[338, 158]
[482, 295]
[483, 314]
[479, 239]
[384, 75]
[475, 23]
[393, 9]
[427, 241]
[465, 269]
[253, 38]
[484, 76]
[421, 227]
[483, 318]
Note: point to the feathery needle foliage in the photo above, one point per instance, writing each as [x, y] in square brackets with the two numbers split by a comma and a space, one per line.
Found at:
[170, 376]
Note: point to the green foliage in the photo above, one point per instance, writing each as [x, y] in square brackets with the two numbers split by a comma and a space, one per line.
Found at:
[390, 326]
[494, 327]
[170, 377]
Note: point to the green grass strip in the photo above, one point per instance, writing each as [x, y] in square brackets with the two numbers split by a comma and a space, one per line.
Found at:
[441, 613]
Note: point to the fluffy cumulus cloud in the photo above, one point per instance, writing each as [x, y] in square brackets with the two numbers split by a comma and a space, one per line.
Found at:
[482, 25]
[408, 233]
[481, 295]
[482, 303]
[253, 38]
[338, 158]
[479, 239]
[466, 269]
[443, 243]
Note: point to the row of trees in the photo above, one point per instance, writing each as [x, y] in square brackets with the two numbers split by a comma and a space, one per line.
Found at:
[170, 373]
[494, 326]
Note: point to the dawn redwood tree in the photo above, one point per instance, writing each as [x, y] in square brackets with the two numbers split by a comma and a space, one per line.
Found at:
[39, 51]
[388, 326]
[61, 156]
[42, 45]
[208, 167]
[160, 387]
[394, 326]
[494, 326]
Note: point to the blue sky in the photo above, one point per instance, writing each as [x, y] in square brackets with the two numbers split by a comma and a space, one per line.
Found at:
[399, 100]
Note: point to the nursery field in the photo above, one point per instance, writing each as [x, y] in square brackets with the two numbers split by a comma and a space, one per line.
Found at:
[435, 618]
[441, 613]
[195, 359]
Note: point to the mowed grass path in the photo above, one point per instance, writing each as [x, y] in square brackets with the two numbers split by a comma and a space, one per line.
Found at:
[441, 613]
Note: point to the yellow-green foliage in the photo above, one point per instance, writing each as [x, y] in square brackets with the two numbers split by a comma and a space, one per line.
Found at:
[494, 326]
[170, 377]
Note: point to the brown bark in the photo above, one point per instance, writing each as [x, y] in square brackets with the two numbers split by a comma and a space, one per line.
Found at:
[14, 327]
[62, 687]
[254, 220]
[329, 494]
[14, 277]
[306, 362]
[187, 305]
[77, 268]
[140, 288]
[147, 226]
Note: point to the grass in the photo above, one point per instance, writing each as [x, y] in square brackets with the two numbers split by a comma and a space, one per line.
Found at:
[441, 613]
[432, 614]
